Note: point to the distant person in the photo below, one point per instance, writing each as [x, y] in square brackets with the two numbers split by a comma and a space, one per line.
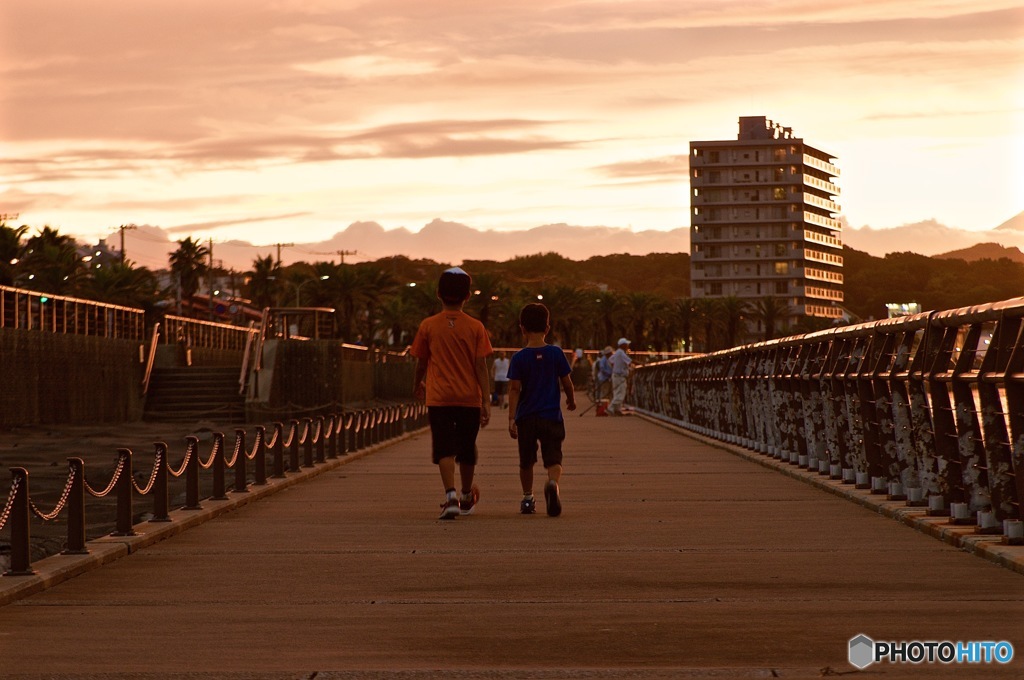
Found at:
[451, 349]
[500, 372]
[620, 362]
[603, 374]
[535, 374]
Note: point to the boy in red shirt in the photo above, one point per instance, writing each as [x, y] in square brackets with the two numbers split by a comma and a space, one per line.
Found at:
[451, 373]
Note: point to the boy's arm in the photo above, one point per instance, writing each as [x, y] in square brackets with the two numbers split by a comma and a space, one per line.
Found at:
[485, 391]
[514, 388]
[570, 392]
[419, 387]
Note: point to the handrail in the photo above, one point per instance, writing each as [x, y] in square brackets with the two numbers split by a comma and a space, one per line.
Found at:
[23, 309]
[19, 508]
[206, 334]
[151, 358]
[926, 408]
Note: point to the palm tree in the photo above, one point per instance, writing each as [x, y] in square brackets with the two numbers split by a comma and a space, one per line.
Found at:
[488, 289]
[121, 283]
[708, 314]
[734, 312]
[641, 307]
[607, 308]
[50, 262]
[189, 266]
[568, 307]
[683, 313]
[263, 286]
[377, 285]
[10, 252]
[769, 310]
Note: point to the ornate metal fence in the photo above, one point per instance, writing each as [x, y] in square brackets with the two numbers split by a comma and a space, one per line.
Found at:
[927, 408]
[308, 443]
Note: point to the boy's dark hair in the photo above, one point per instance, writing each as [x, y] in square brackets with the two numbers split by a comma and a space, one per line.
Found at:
[534, 318]
[453, 286]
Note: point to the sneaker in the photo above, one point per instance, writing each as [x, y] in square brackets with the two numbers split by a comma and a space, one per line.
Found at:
[450, 508]
[551, 498]
[528, 506]
[469, 500]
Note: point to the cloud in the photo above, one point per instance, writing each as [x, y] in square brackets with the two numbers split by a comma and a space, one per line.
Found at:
[928, 237]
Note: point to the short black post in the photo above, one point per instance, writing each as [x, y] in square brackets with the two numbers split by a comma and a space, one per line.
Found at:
[321, 433]
[192, 474]
[307, 442]
[293, 450]
[259, 456]
[278, 450]
[161, 499]
[241, 484]
[332, 436]
[76, 509]
[219, 493]
[123, 487]
[21, 554]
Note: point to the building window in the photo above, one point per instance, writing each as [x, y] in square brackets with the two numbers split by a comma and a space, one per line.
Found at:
[781, 267]
[714, 288]
[779, 193]
[713, 156]
[781, 287]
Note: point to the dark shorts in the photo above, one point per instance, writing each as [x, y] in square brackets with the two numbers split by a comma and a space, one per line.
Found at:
[548, 433]
[453, 431]
[500, 386]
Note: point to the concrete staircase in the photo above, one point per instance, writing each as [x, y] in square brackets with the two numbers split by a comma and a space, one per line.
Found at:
[179, 395]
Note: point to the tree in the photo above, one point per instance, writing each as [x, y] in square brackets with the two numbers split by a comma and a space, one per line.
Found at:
[50, 263]
[734, 311]
[641, 308]
[708, 316]
[769, 310]
[683, 313]
[263, 286]
[188, 267]
[122, 284]
[10, 252]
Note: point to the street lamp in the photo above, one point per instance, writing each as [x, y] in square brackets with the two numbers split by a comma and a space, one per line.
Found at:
[298, 287]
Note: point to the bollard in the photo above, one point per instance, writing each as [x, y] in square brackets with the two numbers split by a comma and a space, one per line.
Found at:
[835, 471]
[192, 474]
[219, 493]
[241, 483]
[293, 450]
[161, 501]
[824, 468]
[849, 476]
[332, 437]
[123, 487]
[915, 497]
[307, 442]
[259, 456]
[862, 480]
[320, 435]
[896, 492]
[76, 509]
[21, 554]
[278, 450]
[879, 485]
[987, 523]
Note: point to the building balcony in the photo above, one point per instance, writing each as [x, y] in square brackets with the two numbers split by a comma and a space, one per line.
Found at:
[822, 221]
[823, 203]
[820, 184]
[815, 274]
[822, 239]
[819, 164]
[826, 258]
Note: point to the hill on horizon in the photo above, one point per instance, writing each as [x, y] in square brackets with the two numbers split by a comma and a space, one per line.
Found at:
[984, 251]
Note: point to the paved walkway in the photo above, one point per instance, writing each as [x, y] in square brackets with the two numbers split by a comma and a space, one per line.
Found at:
[672, 559]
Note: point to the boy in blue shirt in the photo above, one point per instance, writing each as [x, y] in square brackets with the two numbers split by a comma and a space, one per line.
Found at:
[535, 374]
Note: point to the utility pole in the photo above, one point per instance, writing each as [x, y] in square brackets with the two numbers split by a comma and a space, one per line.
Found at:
[279, 246]
[210, 278]
[122, 229]
[343, 253]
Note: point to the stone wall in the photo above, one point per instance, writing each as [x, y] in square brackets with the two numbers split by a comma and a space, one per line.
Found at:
[50, 378]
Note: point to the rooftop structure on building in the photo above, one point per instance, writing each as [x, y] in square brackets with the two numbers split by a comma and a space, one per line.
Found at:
[764, 225]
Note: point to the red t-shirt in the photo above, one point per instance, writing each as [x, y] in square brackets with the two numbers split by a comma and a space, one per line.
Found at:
[450, 343]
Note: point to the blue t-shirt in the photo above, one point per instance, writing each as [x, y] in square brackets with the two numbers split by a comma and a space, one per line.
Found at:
[539, 369]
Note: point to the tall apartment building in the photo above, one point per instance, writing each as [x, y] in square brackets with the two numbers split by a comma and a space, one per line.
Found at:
[763, 222]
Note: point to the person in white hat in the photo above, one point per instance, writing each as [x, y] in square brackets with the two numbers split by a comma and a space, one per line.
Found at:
[620, 362]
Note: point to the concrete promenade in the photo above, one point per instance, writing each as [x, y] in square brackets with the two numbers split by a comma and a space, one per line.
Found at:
[672, 559]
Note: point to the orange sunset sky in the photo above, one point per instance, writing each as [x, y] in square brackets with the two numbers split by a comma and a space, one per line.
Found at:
[289, 120]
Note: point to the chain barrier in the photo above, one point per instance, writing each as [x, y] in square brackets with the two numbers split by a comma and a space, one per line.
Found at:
[113, 481]
[341, 434]
[52, 515]
[6, 514]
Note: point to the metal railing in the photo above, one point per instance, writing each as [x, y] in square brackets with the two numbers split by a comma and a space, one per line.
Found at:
[308, 443]
[31, 310]
[926, 408]
[206, 334]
